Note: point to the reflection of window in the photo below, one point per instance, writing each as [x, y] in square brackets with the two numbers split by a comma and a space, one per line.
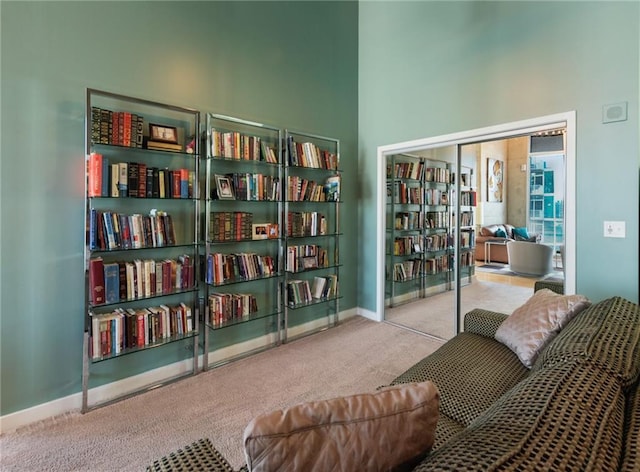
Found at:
[546, 196]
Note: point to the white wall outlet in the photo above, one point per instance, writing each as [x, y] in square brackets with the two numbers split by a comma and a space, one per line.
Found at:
[614, 229]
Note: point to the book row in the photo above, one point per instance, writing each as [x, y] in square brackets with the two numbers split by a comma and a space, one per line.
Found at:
[225, 308]
[306, 223]
[417, 244]
[136, 180]
[308, 154]
[235, 145]
[409, 220]
[112, 282]
[407, 194]
[467, 238]
[112, 333]
[116, 128]
[301, 291]
[246, 186]
[299, 189]
[226, 268]
[407, 270]
[413, 268]
[406, 245]
[230, 225]
[305, 257]
[419, 171]
[468, 198]
[437, 219]
[110, 230]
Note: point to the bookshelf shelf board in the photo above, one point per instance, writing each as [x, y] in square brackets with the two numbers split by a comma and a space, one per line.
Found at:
[416, 278]
[142, 151]
[237, 161]
[315, 269]
[259, 315]
[133, 350]
[240, 241]
[315, 301]
[147, 248]
[328, 235]
[243, 281]
[124, 301]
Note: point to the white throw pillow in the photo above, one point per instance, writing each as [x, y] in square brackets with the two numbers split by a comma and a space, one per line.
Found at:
[533, 325]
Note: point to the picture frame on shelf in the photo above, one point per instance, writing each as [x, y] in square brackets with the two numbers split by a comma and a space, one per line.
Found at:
[309, 262]
[224, 188]
[260, 231]
[163, 133]
[272, 231]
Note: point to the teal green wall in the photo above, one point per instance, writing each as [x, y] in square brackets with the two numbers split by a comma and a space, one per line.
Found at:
[288, 64]
[432, 68]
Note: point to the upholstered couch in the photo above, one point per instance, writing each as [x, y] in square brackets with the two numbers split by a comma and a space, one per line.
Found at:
[501, 234]
[575, 407]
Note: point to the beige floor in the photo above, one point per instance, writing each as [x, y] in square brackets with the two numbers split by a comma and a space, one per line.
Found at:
[434, 315]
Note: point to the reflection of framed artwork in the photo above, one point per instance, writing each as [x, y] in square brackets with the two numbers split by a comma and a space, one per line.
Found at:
[166, 134]
[495, 180]
[224, 188]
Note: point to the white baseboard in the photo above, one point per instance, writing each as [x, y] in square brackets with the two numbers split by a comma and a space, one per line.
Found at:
[114, 390]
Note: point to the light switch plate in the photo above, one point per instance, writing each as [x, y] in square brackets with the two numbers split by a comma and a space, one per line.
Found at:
[614, 229]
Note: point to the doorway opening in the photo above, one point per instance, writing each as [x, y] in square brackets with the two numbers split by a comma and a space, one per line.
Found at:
[454, 306]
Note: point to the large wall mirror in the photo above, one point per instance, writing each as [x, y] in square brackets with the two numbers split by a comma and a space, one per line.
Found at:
[446, 202]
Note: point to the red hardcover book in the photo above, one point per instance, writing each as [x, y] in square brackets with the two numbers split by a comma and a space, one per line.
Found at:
[142, 180]
[127, 129]
[94, 184]
[140, 327]
[96, 281]
[175, 183]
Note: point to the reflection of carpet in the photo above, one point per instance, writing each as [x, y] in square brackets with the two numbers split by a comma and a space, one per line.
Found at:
[503, 269]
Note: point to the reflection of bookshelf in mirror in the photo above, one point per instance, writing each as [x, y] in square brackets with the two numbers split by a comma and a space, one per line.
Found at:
[419, 254]
[312, 233]
[141, 252]
[468, 203]
[243, 234]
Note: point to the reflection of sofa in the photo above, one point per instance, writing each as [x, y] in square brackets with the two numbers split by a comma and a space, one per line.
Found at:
[494, 233]
[576, 408]
[529, 258]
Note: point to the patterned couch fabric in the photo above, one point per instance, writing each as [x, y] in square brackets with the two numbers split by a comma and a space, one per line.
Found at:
[471, 372]
[607, 333]
[560, 418]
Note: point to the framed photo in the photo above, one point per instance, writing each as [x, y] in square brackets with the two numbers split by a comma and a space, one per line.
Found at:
[260, 231]
[310, 262]
[272, 231]
[224, 188]
[165, 134]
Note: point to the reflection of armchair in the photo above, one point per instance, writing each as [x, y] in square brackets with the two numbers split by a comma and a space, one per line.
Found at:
[530, 258]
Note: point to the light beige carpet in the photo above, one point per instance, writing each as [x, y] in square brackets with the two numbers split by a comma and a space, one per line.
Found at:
[356, 356]
[434, 315]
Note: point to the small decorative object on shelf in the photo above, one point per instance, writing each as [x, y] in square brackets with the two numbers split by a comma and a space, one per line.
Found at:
[140, 261]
